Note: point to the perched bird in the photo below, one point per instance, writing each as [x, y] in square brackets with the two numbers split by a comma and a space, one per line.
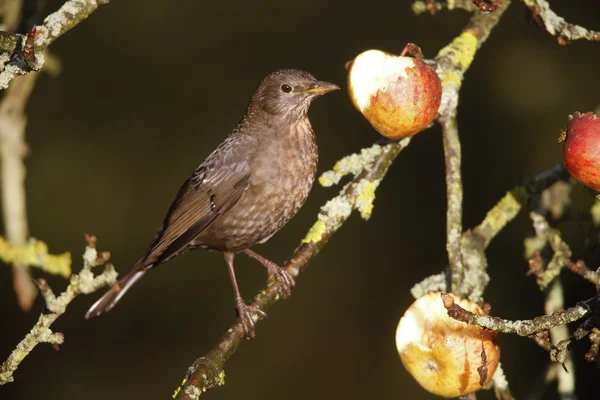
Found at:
[246, 190]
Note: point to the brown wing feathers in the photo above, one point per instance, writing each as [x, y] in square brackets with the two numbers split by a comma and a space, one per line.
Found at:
[211, 190]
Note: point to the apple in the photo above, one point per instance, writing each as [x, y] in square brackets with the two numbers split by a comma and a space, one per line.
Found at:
[582, 149]
[399, 95]
[441, 353]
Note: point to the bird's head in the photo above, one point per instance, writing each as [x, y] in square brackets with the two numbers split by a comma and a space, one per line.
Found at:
[289, 92]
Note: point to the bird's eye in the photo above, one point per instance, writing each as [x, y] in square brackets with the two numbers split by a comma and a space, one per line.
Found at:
[286, 88]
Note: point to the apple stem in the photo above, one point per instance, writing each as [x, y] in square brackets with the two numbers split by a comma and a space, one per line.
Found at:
[412, 50]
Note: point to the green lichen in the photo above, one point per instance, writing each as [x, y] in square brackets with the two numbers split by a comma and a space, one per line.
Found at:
[353, 164]
[221, 378]
[450, 78]
[315, 233]
[35, 253]
[335, 210]
[176, 392]
[366, 195]
[461, 51]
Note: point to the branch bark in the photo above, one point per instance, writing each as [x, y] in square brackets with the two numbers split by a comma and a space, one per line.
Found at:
[452, 63]
[12, 46]
[85, 282]
[558, 26]
[12, 150]
[369, 168]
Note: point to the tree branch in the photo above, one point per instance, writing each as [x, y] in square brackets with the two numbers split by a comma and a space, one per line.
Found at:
[431, 6]
[12, 151]
[452, 63]
[369, 168]
[13, 46]
[35, 253]
[521, 327]
[83, 283]
[557, 26]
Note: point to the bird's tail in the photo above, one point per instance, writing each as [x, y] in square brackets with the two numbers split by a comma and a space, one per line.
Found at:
[110, 298]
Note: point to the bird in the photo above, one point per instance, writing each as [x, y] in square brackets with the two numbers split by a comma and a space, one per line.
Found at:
[246, 190]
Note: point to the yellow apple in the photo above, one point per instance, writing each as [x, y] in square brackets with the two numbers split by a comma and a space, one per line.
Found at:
[443, 354]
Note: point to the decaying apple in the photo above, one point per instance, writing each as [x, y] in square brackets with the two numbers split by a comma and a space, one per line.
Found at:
[444, 355]
[399, 95]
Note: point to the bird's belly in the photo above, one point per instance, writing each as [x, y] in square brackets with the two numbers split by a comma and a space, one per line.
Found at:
[266, 206]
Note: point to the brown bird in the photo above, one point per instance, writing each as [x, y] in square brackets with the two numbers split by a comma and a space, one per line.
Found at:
[246, 190]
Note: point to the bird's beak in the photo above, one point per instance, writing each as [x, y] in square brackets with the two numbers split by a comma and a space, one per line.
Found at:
[321, 87]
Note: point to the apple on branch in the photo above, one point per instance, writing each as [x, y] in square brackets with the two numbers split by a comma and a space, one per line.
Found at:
[399, 95]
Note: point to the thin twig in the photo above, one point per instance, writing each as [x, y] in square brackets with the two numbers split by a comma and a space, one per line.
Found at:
[555, 302]
[432, 6]
[558, 26]
[520, 327]
[41, 36]
[85, 282]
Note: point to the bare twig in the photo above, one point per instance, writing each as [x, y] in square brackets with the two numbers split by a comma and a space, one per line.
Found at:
[557, 26]
[13, 149]
[40, 37]
[83, 283]
[592, 354]
[580, 268]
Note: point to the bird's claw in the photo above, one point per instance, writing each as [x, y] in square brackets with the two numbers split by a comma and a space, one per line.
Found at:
[285, 279]
[245, 312]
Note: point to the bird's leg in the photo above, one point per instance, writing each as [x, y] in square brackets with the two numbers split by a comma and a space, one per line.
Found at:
[244, 310]
[285, 279]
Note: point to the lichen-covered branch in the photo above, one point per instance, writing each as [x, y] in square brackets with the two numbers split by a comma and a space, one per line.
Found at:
[35, 253]
[83, 283]
[23, 53]
[520, 327]
[454, 195]
[473, 245]
[557, 26]
[432, 6]
[545, 274]
[452, 62]
[368, 168]
[501, 214]
[555, 302]
[12, 151]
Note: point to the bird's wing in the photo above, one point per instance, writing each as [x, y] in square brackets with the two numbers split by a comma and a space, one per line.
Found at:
[210, 191]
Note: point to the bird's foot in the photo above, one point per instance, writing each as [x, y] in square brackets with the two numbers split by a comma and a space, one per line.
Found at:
[285, 279]
[245, 312]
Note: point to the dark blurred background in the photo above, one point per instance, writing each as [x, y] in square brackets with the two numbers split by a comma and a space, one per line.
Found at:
[150, 87]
